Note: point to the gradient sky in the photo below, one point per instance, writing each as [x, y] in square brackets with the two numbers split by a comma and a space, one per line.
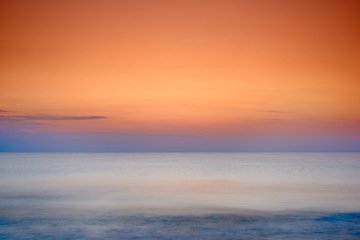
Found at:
[189, 75]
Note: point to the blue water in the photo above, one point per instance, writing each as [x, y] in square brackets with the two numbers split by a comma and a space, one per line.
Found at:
[180, 196]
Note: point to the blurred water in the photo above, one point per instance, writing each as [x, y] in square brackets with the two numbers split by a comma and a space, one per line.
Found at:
[179, 195]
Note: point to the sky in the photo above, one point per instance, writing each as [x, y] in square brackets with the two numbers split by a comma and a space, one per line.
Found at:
[170, 75]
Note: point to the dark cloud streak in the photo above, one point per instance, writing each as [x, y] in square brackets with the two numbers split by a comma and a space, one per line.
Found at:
[56, 118]
[49, 118]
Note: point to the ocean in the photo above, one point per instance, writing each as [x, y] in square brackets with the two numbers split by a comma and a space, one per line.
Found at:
[179, 195]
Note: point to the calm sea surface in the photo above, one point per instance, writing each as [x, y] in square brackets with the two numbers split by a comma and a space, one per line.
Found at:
[179, 195]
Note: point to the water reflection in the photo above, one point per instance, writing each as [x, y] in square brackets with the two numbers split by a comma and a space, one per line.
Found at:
[178, 195]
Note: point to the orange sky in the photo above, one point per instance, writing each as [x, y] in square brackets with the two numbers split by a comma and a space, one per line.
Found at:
[182, 67]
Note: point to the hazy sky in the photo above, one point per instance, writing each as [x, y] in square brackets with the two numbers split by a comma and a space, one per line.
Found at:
[171, 75]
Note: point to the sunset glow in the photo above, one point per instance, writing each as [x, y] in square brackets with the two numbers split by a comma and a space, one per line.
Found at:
[168, 75]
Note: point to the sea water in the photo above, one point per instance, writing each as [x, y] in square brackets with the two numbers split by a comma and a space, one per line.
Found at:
[180, 196]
